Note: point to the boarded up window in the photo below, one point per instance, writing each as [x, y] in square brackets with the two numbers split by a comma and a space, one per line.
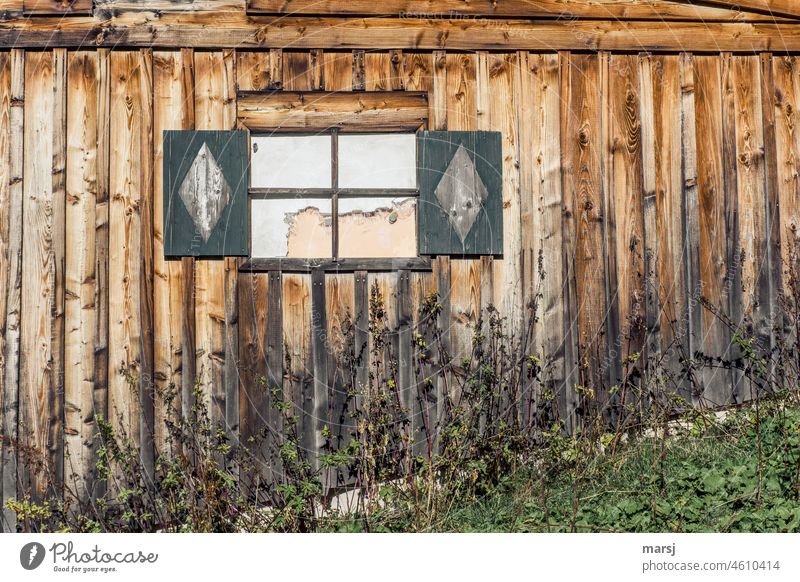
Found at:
[292, 228]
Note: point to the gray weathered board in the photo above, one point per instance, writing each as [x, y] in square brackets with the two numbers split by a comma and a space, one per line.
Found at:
[205, 203]
[461, 183]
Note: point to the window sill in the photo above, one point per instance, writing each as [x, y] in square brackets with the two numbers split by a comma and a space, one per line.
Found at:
[336, 266]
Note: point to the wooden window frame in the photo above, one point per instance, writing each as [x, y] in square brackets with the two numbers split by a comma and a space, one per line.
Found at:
[334, 194]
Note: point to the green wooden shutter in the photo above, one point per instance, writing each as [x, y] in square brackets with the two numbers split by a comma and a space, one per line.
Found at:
[205, 194]
[460, 185]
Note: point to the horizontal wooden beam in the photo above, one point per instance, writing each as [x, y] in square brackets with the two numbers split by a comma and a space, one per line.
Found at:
[239, 31]
[293, 111]
[338, 266]
[561, 9]
[117, 7]
[790, 8]
[57, 6]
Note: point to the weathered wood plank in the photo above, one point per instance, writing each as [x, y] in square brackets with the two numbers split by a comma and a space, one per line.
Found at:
[12, 121]
[340, 310]
[169, 101]
[38, 406]
[57, 6]
[464, 290]
[146, 382]
[10, 9]
[231, 30]
[567, 399]
[691, 223]
[298, 370]
[541, 210]
[712, 201]
[771, 275]
[6, 432]
[750, 249]
[81, 285]
[127, 124]
[786, 71]
[338, 70]
[585, 186]
[297, 70]
[109, 8]
[665, 79]
[651, 362]
[215, 109]
[294, 111]
[560, 9]
[321, 419]
[626, 214]
[101, 240]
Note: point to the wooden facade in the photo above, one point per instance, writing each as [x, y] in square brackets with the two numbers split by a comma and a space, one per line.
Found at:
[650, 164]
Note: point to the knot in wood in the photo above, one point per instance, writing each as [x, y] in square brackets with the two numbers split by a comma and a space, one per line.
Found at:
[583, 136]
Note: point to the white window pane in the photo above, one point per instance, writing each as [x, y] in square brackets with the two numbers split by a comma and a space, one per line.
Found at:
[377, 227]
[289, 161]
[378, 161]
[293, 228]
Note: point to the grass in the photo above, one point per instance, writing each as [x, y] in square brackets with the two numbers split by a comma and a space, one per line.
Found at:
[706, 476]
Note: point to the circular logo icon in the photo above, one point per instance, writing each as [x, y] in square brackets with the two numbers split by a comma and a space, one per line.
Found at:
[31, 555]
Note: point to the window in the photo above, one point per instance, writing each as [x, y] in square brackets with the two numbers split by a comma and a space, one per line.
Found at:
[332, 196]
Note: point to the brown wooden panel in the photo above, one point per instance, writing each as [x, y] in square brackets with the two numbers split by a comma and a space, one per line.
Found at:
[786, 71]
[651, 361]
[171, 106]
[39, 401]
[81, 283]
[713, 200]
[338, 70]
[215, 109]
[10, 9]
[541, 210]
[11, 186]
[296, 111]
[750, 235]
[665, 79]
[231, 30]
[584, 185]
[57, 6]
[621, 9]
[298, 379]
[105, 8]
[626, 213]
[464, 286]
[125, 222]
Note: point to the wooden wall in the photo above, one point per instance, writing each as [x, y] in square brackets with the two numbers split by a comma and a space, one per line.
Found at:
[636, 187]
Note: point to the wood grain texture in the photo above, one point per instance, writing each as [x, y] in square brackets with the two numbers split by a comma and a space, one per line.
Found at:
[57, 6]
[585, 186]
[541, 210]
[620, 9]
[215, 106]
[40, 411]
[127, 124]
[750, 249]
[80, 271]
[233, 30]
[171, 105]
[651, 359]
[786, 97]
[626, 215]
[101, 240]
[108, 8]
[364, 112]
[6, 432]
[713, 199]
[12, 117]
